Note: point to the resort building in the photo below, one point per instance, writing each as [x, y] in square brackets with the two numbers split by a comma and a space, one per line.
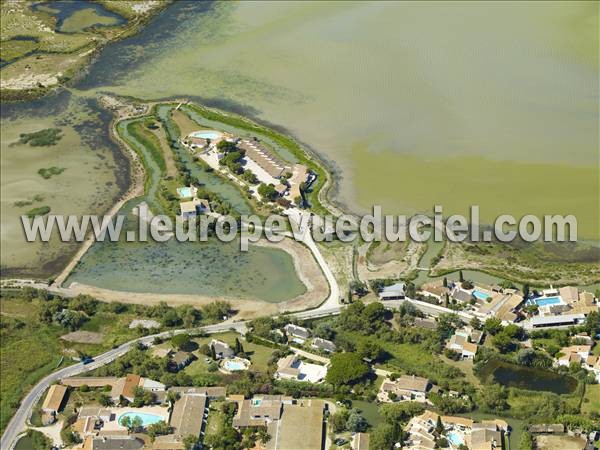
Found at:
[92, 382]
[194, 207]
[484, 435]
[360, 441]
[125, 387]
[262, 157]
[292, 425]
[393, 292]
[116, 442]
[300, 174]
[405, 388]
[187, 419]
[296, 333]
[258, 411]
[292, 368]
[556, 321]
[222, 350]
[212, 393]
[323, 345]
[54, 399]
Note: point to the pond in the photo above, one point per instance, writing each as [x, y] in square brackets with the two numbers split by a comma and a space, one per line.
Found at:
[533, 379]
[210, 268]
[77, 16]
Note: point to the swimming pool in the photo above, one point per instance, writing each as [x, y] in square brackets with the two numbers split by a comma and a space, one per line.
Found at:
[480, 295]
[207, 134]
[234, 365]
[455, 438]
[185, 192]
[147, 419]
[544, 301]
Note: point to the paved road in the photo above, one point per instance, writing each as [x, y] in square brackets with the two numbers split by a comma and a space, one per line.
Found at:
[19, 421]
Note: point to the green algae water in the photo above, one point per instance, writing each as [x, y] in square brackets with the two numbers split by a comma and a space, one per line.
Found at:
[210, 268]
[413, 103]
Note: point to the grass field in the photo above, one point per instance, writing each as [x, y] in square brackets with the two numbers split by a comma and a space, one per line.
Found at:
[31, 349]
[591, 399]
[258, 354]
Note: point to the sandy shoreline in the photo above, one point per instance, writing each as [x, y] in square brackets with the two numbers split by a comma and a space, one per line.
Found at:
[306, 267]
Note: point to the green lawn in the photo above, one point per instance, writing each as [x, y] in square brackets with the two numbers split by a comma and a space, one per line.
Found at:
[258, 354]
[30, 349]
[591, 399]
[215, 417]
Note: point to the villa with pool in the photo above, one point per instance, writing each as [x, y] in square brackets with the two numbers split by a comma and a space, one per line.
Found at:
[457, 431]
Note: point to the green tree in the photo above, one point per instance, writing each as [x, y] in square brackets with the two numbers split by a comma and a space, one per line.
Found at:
[181, 341]
[267, 192]
[339, 420]
[346, 368]
[492, 326]
[439, 426]
[525, 441]
[383, 436]
[356, 423]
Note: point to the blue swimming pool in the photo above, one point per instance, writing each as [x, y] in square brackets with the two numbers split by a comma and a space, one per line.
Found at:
[147, 419]
[234, 365]
[544, 301]
[455, 438]
[185, 192]
[207, 134]
[480, 295]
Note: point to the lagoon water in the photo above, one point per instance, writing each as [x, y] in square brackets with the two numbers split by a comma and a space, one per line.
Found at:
[415, 103]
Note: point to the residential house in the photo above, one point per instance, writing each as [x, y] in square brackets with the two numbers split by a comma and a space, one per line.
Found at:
[394, 292]
[180, 360]
[296, 333]
[222, 349]
[194, 207]
[125, 387]
[324, 345]
[187, 419]
[258, 411]
[292, 425]
[292, 368]
[429, 324]
[407, 387]
[461, 345]
[54, 399]
[573, 354]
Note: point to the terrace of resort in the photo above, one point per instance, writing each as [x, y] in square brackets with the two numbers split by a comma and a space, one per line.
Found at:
[292, 368]
[292, 424]
[484, 435]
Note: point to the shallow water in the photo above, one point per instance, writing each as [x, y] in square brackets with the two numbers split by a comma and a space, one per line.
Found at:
[415, 103]
[513, 375]
[210, 268]
[95, 174]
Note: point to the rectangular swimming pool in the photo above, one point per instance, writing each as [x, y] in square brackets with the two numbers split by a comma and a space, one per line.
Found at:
[480, 295]
[544, 301]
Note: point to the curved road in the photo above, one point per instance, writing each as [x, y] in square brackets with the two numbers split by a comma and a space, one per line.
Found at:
[18, 423]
